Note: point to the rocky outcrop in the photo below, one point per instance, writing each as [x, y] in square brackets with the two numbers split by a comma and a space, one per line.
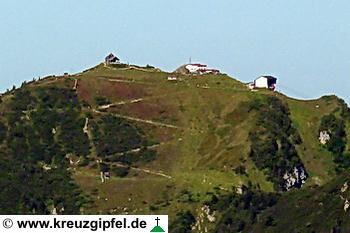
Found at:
[344, 187]
[86, 129]
[346, 205]
[205, 216]
[324, 137]
[75, 84]
[296, 178]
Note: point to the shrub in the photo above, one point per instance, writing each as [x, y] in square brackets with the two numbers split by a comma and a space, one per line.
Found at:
[99, 100]
[241, 170]
[183, 223]
[270, 221]
[121, 171]
[104, 167]
[3, 132]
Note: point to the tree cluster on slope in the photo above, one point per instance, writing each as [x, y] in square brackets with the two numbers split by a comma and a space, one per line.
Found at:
[34, 177]
[114, 135]
[336, 144]
[183, 222]
[239, 211]
[115, 139]
[273, 140]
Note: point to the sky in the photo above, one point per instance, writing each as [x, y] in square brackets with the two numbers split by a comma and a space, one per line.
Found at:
[305, 44]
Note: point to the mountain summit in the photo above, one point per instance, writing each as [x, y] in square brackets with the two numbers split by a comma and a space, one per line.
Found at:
[205, 149]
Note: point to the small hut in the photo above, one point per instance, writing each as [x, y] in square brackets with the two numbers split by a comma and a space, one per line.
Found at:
[112, 59]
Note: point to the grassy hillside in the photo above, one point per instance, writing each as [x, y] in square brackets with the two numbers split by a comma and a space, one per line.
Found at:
[168, 146]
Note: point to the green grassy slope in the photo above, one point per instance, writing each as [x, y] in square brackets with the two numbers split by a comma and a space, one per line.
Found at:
[307, 116]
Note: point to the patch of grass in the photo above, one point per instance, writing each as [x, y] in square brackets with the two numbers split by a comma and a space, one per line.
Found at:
[306, 116]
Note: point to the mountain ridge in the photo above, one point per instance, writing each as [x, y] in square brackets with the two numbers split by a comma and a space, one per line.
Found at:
[179, 143]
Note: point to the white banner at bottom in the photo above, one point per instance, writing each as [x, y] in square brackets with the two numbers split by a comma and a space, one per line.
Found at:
[83, 223]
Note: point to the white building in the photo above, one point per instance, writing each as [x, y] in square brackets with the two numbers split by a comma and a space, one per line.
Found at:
[268, 82]
[200, 69]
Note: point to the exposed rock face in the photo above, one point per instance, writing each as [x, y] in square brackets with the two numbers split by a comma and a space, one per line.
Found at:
[344, 187]
[346, 205]
[296, 178]
[86, 129]
[207, 211]
[57, 209]
[46, 167]
[204, 215]
[324, 137]
[239, 190]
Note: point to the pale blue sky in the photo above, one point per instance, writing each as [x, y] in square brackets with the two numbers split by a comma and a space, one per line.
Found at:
[306, 44]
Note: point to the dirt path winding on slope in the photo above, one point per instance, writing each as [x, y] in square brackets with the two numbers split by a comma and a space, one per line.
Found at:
[140, 120]
[157, 173]
[121, 103]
